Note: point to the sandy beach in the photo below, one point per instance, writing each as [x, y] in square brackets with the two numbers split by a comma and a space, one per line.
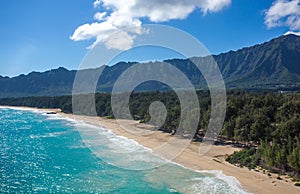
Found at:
[214, 159]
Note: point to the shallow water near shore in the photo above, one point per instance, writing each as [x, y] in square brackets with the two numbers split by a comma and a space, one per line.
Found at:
[49, 153]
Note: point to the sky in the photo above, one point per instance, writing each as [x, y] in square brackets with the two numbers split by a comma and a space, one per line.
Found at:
[43, 35]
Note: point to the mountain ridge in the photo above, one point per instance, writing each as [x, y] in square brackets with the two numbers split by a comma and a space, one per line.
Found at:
[270, 65]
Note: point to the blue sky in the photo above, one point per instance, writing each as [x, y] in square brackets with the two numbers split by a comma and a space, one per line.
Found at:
[42, 35]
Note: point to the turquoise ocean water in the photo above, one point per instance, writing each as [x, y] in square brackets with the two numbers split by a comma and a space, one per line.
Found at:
[42, 153]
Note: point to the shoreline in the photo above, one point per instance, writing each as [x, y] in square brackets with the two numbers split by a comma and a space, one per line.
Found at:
[214, 159]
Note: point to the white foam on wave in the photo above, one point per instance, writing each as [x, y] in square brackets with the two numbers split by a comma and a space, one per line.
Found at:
[41, 112]
[230, 180]
[120, 151]
[129, 145]
[125, 145]
[233, 182]
[58, 117]
[207, 184]
[48, 135]
[35, 110]
[14, 107]
[82, 124]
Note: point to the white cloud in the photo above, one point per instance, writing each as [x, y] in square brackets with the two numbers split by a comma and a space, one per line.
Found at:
[290, 32]
[284, 13]
[88, 31]
[100, 16]
[125, 14]
[119, 40]
[97, 3]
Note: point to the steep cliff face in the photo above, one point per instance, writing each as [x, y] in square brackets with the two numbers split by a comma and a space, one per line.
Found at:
[271, 65]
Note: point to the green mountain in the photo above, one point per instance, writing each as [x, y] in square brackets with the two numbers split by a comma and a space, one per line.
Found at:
[50, 83]
[271, 65]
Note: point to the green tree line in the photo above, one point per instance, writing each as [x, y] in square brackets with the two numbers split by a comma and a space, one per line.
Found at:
[268, 122]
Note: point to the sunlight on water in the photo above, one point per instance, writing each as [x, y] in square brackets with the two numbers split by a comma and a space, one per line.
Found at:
[45, 153]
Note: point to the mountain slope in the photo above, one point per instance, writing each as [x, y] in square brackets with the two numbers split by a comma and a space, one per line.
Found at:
[51, 83]
[271, 65]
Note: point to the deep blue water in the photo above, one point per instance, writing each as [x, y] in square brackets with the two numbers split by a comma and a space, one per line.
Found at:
[43, 153]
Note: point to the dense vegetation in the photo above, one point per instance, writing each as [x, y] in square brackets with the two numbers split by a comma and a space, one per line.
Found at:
[267, 123]
[270, 121]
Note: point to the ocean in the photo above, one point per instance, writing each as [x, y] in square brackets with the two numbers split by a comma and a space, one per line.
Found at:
[43, 153]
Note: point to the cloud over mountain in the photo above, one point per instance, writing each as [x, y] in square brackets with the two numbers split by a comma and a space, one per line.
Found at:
[284, 13]
[127, 14]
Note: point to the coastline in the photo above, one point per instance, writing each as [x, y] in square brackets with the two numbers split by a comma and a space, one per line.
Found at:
[250, 180]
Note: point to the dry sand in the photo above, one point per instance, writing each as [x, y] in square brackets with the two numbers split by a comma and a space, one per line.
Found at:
[214, 159]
